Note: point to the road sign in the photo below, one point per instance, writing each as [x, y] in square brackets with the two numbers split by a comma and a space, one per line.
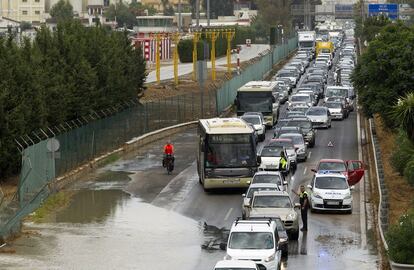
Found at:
[330, 144]
[389, 10]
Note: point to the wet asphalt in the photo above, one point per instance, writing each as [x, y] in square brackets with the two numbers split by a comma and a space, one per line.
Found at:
[132, 215]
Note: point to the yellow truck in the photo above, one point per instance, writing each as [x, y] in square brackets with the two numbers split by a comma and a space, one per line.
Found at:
[324, 47]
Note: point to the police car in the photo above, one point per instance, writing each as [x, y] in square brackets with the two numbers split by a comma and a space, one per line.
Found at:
[330, 192]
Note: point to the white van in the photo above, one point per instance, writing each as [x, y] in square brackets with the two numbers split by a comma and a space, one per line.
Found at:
[256, 240]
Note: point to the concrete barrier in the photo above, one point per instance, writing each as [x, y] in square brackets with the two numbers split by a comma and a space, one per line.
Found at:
[132, 145]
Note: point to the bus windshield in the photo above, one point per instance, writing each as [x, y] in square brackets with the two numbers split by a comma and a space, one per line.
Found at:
[255, 101]
[230, 151]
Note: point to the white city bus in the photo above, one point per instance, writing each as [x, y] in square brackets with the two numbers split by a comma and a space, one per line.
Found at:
[257, 96]
[226, 153]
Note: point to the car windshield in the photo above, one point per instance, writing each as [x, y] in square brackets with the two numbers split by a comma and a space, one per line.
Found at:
[300, 109]
[316, 111]
[333, 105]
[254, 189]
[300, 123]
[267, 178]
[284, 143]
[336, 92]
[328, 182]
[332, 166]
[295, 139]
[251, 240]
[300, 98]
[271, 151]
[271, 201]
[252, 120]
[286, 74]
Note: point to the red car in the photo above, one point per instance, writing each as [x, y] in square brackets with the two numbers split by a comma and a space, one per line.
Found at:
[352, 169]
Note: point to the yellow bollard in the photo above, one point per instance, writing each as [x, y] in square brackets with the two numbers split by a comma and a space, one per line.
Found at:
[213, 35]
[157, 56]
[196, 37]
[229, 35]
[176, 39]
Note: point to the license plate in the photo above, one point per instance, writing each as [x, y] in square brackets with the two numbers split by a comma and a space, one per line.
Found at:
[332, 203]
[232, 181]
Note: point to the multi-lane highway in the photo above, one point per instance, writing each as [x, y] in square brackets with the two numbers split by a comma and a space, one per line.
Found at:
[132, 215]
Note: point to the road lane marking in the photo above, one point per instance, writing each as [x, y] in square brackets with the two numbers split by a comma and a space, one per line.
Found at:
[304, 171]
[310, 153]
[228, 214]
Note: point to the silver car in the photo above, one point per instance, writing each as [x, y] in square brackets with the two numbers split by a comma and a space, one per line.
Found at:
[319, 116]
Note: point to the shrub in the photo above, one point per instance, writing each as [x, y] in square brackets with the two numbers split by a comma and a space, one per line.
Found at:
[403, 153]
[409, 171]
[400, 239]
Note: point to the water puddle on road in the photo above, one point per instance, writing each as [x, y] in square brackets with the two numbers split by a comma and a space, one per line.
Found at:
[108, 229]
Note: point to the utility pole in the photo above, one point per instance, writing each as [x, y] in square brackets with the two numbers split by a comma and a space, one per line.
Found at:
[208, 13]
[197, 14]
[180, 26]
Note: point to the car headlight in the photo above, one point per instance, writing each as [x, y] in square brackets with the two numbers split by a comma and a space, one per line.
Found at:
[348, 196]
[309, 134]
[270, 258]
[301, 151]
[316, 195]
[227, 257]
[291, 216]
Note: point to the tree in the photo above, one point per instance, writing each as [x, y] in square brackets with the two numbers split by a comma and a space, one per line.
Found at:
[137, 8]
[403, 114]
[62, 10]
[60, 76]
[385, 71]
[219, 8]
[273, 13]
[169, 11]
[122, 14]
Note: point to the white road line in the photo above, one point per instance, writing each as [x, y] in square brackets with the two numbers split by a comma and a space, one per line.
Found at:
[310, 153]
[228, 214]
[305, 170]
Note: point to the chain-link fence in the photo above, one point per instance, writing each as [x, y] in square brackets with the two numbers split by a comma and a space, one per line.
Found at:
[53, 151]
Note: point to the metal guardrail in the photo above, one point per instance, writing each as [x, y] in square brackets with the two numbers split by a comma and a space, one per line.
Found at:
[383, 207]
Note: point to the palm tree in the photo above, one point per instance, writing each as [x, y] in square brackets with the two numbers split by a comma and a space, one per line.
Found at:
[403, 114]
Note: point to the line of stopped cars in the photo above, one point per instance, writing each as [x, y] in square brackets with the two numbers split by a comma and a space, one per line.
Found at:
[270, 219]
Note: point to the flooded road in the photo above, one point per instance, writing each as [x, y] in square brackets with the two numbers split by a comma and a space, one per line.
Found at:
[132, 215]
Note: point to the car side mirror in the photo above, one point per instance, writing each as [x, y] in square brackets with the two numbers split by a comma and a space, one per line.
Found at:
[244, 195]
[259, 160]
[309, 186]
[285, 183]
[313, 170]
[223, 246]
[297, 206]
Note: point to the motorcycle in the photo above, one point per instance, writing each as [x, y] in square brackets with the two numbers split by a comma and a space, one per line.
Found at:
[168, 163]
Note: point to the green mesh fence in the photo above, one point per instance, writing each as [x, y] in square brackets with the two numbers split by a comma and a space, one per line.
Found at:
[227, 92]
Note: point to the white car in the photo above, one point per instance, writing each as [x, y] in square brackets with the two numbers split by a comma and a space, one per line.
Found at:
[255, 240]
[270, 158]
[235, 264]
[300, 99]
[330, 192]
[258, 125]
[269, 203]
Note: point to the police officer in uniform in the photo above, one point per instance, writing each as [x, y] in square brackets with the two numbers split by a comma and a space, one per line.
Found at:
[304, 206]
